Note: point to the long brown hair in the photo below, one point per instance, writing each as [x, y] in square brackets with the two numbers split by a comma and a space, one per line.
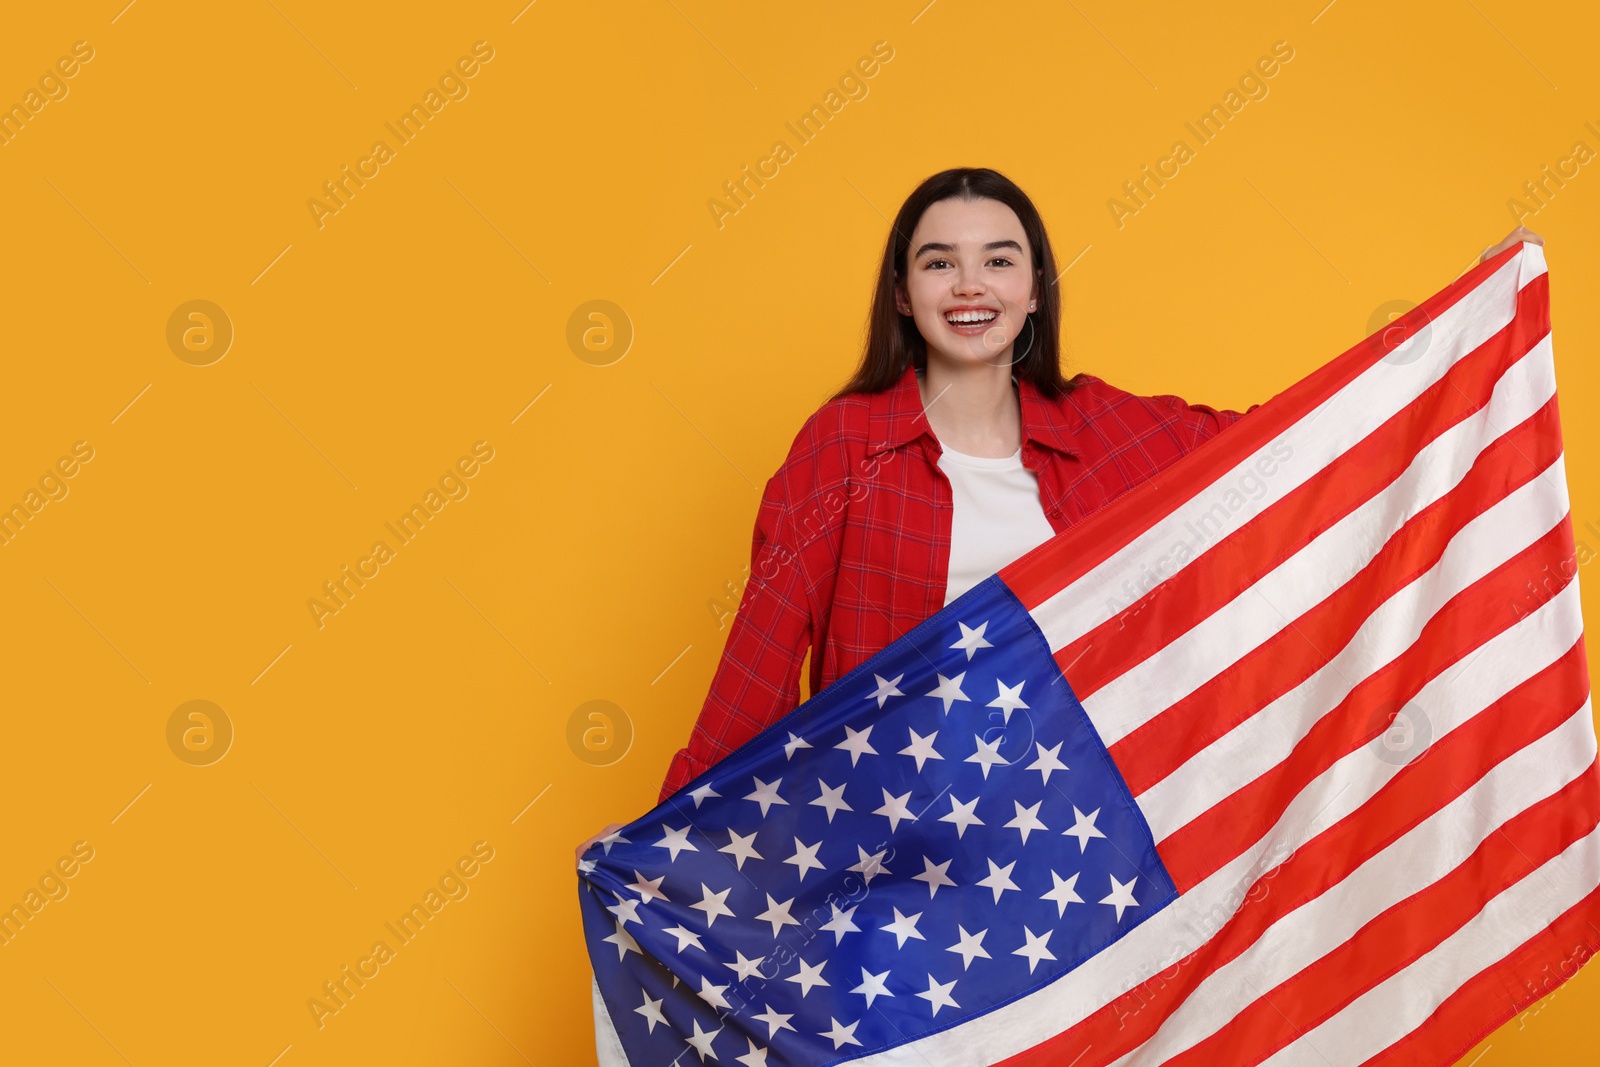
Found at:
[893, 339]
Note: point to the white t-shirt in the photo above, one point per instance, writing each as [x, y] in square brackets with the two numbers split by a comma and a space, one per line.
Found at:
[997, 515]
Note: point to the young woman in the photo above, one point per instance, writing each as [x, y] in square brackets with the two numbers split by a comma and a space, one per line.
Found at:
[955, 448]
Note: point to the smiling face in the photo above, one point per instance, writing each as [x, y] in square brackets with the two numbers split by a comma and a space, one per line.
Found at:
[970, 281]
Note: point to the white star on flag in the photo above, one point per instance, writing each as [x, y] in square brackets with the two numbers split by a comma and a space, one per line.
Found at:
[686, 937]
[841, 1034]
[1034, 949]
[676, 841]
[886, 689]
[938, 994]
[971, 640]
[651, 1010]
[626, 911]
[999, 878]
[934, 875]
[714, 904]
[808, 976]
[739, 846]
[988, 753]
[872, 986]
[894, 809]
[778, 914]
[775, 1021]
[832, 798]
[701, 1041]
[1047, 761]
[1084, 828]
[904, 926]
[1064, 893]
[795, 742]
[624, 942]
[1027, 820]
[805, 857]
[648, 888]
[870, 866]
[856, 744]
[704, 792]
[949, 690]
[969, 946]
[1009, 698]
[744, 968]
[765, 794]
[712, 994]
[921, 747]
[961, 814]
[1121, 895]
[840, 924]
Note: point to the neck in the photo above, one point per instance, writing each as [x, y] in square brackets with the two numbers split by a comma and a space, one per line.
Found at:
[972, 408]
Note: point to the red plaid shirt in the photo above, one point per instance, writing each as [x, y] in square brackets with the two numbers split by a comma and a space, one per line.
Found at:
[852, 539]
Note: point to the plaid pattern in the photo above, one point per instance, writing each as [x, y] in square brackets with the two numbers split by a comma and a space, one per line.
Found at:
[852, 538]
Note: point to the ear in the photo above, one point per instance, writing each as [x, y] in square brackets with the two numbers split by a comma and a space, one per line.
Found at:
[902, 301]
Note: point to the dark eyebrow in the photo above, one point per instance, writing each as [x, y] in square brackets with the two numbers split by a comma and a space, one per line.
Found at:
[933, 246]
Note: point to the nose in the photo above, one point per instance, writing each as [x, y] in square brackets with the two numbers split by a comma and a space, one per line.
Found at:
[969, 281]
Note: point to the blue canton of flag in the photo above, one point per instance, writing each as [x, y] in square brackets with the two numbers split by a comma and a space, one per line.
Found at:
[937, 833]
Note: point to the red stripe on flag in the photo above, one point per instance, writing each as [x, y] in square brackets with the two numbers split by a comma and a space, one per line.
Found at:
[1279, 664]
[1465, 622]
[1418, 790]
[1180, 603]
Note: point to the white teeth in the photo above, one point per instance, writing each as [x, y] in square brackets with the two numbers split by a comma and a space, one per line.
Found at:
[971, 316]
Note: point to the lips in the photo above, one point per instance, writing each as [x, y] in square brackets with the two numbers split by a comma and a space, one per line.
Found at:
[971, 320]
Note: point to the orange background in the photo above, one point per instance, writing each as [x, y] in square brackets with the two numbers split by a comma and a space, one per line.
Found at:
[374, 748]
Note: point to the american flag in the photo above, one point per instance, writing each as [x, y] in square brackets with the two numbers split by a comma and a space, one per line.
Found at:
[1285, 757]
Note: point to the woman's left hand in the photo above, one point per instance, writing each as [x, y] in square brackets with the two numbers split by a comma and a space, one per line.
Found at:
[1521, 233]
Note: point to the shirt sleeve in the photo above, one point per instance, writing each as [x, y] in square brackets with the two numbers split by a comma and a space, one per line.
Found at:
[758, 677]
[1200, 420]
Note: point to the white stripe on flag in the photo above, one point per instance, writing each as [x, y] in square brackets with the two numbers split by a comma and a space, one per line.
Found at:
[607, 1045]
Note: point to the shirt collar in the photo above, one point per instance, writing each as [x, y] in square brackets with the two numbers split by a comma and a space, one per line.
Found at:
[898, 417]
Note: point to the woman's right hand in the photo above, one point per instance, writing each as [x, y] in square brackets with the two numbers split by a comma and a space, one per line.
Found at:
[608, 831]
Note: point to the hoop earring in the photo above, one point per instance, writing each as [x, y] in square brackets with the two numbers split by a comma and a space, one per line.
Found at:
[1031, 331]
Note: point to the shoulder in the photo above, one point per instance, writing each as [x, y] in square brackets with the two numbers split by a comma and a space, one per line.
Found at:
[1095, 396]
[1114, 414]
[831, 437]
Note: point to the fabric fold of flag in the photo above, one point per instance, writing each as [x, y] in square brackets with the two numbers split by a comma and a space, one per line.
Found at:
[1286, 756]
